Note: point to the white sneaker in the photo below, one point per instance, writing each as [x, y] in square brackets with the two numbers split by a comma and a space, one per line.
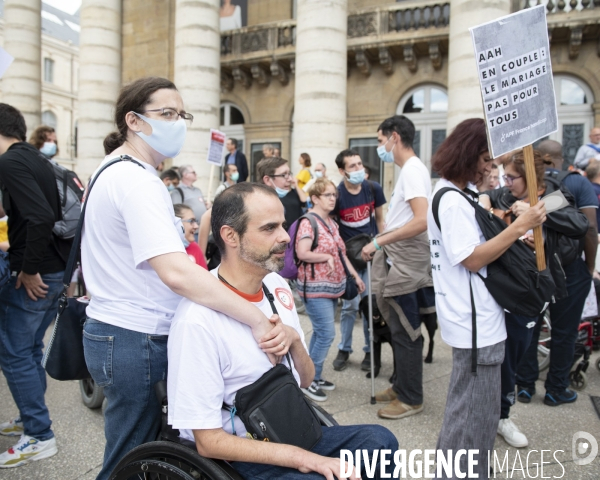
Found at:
[511, 433]
[13, 428]
[27, 450]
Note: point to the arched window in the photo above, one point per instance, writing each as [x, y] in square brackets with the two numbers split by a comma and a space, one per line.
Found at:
[48, 118]
[574, 101]
[426, 106]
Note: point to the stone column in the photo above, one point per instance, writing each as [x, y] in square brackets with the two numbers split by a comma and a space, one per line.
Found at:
[99, 79]
[197, 76]
[464, 94]
[22, 82]
[321, 81]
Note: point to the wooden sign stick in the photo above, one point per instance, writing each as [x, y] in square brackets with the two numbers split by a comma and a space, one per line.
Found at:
[532, 188]
[210, 183]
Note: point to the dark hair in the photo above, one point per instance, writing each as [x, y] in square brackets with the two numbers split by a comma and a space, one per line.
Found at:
[234, 142]
[227, 165]
[170, 174]
[306, 158]
[133, 98]
[229, 208]
[518, 160]
[456, 158]
[12, 123]
[38, 137]
[402, 126]
[339, 160]
[178, 209]
[267, 166]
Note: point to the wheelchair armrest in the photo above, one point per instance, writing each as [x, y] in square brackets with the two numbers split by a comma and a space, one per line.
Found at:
[160, 389]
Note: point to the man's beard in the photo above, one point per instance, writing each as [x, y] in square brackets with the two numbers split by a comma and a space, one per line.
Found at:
[265, 261]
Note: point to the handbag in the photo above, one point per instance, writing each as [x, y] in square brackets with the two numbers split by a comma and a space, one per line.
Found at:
[351, 286]
[64, 358]
[355, 244]
[274, 409]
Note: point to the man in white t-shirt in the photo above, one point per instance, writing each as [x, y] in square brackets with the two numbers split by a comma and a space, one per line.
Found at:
[211, 356]
[402, 268]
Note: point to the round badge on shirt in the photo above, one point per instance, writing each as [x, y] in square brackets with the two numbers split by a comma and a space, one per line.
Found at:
[285, 298]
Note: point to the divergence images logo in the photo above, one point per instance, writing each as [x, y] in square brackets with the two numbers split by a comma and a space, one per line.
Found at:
[584, 448]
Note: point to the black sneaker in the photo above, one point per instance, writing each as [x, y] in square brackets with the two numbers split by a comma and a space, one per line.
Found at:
[556, 399]
[341, 361]
[524, 394]
[314, 392]
[325, 385]
[365, 365]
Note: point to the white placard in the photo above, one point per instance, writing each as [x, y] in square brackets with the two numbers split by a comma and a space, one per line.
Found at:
[215, 149]
[5, 60]
[513, 62]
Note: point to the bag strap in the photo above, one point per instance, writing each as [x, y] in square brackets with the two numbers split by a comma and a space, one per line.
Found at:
[180, 193]
[435, 204]
[75, 248]
[593, 147]
[473, 330]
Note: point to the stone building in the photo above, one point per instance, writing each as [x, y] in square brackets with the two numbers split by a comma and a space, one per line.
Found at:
[318, 75]
[54, 85]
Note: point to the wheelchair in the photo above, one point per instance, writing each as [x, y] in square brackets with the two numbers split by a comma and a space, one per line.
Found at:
[171, 457]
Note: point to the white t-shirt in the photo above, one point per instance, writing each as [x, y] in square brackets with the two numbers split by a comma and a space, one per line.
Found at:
[212, 356]
[459, 236]
[129, 219]
[413, 182]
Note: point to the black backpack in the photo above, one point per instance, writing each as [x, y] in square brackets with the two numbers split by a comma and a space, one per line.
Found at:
[70, 192]
[513, 279]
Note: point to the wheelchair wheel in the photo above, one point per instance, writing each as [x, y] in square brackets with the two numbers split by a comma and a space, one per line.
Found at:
[183, 458]
[91, 394]
[325, 418]
[598, 363]
[578, 380]
[152, 469]
[543, 350]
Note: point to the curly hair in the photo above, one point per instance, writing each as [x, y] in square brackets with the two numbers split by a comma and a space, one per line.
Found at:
[40, 136]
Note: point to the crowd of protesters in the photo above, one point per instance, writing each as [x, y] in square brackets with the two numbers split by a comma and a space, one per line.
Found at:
[150, 237]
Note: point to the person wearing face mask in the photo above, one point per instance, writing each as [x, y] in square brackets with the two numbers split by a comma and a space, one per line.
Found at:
[190, 227]
[275, 173]
[231, 178]
[170, 178]
[401, 274]
[44, 139]
[358, 210]
[320, 172]
[137, 269]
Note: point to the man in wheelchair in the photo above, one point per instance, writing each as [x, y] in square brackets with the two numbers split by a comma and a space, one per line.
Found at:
[212, 356]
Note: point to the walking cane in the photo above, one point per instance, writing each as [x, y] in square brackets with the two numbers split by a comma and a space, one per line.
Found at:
[371, 333]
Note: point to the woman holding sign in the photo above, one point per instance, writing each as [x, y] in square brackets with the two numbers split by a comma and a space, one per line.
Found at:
[561, 229]
[459, 253]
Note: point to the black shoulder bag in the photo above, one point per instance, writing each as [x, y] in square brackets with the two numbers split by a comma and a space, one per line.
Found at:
[64, 358]
[274, 409]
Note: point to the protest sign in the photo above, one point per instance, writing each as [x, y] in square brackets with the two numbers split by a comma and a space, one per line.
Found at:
[515, 74]
[5, 60]
[215, 149]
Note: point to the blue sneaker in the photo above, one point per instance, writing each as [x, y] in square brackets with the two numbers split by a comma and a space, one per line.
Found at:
[556, 399]
[525, 394]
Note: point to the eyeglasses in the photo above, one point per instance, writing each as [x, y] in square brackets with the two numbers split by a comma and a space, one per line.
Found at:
[328, 195]
[283, 175]
[509, 179]
[191, 221]
[172, 115]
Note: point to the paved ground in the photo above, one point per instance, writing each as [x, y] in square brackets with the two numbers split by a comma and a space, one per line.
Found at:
[80, 437]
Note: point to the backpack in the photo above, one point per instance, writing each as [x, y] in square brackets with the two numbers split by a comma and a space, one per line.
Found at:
[70, 192]
[512, 279]
[291, 262]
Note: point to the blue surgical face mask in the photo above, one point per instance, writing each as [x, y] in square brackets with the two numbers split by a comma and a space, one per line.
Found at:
[384, 155]
[281, 192]
[318, 174]
[170, 188]
[49, 149]
[167, 138]
[356, 177]
[185, 243]
[235, 176]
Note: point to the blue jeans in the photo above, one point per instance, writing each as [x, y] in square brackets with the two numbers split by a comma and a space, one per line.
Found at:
[127, 364]
[351, 437]
[349, 310]
[565, 316]
[23, 323]
[321, 312]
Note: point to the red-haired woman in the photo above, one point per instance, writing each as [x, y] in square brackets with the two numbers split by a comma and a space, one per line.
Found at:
[458, 249]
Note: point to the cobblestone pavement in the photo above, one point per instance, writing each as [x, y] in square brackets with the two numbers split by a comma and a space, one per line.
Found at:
[80, 436]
